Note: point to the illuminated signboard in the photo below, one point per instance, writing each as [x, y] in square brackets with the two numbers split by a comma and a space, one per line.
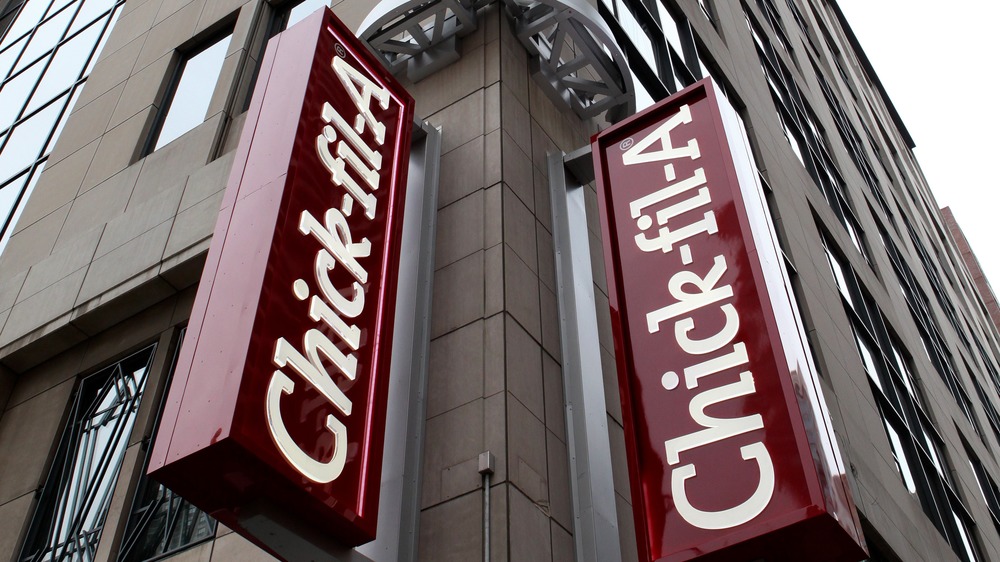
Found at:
[731, 452]
[275, 419]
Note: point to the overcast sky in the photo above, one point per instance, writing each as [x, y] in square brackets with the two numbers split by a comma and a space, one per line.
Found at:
[939, 62]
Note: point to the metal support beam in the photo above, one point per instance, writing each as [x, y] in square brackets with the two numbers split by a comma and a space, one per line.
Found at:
[595, 515]
[574, 57]
[399, 509]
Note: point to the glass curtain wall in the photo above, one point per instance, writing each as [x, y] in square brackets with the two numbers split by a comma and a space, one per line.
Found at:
[47, 50]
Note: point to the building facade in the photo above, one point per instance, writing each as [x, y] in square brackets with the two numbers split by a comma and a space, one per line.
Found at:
[982, 283]
[119, 122]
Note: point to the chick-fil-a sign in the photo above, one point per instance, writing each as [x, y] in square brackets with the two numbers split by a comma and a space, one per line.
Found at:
[731, 452]
[274, 422]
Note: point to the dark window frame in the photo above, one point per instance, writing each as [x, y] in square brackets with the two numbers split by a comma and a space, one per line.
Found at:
[805, 135]
[88, 404]
[62, 99]
[142, 511]
[900, 405]
[182, 58]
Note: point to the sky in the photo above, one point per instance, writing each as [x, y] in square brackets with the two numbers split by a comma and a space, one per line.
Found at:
[939, 63]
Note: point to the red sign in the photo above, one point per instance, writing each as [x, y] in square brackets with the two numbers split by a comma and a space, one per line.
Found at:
[731, 452]
[275, 418]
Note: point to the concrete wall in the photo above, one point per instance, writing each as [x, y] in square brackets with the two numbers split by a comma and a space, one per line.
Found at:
[107, 252]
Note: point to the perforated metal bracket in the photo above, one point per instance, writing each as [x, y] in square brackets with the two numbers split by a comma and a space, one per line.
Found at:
[419, 37]
[574, 57]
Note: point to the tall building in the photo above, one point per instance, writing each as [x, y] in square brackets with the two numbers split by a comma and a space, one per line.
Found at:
[120, 122]
[989, 299]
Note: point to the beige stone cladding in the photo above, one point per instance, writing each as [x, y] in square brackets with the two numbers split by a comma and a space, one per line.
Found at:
[109, 248]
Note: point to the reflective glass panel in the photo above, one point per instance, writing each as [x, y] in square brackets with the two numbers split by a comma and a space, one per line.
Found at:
[47, 71]
[14, 92]
[193, 92]
[27, 139]
[26, 192]
[669, 25]
[47, 35]
[9, 55]
[162, 523]
[868, 361]
[638, 36]
[9, 193]
[89, 11]
[56, 6]
[902, 465]
[968, 550]
[642, 97]
[66, 66]
[31, 13]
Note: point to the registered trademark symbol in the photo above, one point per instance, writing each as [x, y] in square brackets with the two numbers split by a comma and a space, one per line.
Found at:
[626, 144]
[340, 50]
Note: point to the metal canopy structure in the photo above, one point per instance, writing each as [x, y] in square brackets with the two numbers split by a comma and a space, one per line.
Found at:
[574, 57]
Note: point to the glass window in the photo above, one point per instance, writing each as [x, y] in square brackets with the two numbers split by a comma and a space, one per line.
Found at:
[193, 91]
[8, 56]
[29, 16]
[68, 62]
[838, 277]
[162, 523]
[906, 376]
[642, 97]
[42, 58]
[29, 138]
[638, 36]
[15, 92]
[868, 361]
[47, 34]
[917, 449]
[987, 486]
[707, 10]
[968, 550]
[74, 502]
[9, 193]
[899, 455]
[89, 11]
[670, 32]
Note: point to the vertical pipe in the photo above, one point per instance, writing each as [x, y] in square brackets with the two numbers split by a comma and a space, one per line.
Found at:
[486, 466]
[486, 517]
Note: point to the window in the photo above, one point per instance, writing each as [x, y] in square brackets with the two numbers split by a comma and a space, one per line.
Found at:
[770, 13]
[707, 10]
[162, 523]
[46, 53]
[660, 45]
[187, 104]
[916, 446]
[852, 142]
[984, 399]
[74, 501]
[927, 326]
[937, 285]
[805, 136]
[987, 486]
